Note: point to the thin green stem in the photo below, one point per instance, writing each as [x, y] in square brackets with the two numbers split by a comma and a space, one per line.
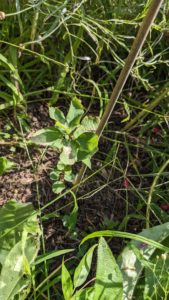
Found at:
[151, 192]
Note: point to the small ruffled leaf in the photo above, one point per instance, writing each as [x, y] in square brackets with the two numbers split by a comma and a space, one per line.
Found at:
[75, 113]
[58, 187]
[54, 175]
[88, 124]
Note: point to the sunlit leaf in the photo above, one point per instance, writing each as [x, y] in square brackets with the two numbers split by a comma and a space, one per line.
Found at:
[47, 136]
[58, 187]
[5, 165]
[138, 237]
[83, 268]
[129, 263]
[88, 143]
[51, 255]
[75, 113]
[57, 115]
[84, 294]
[67, 285]
[20, 242]
[108, 284]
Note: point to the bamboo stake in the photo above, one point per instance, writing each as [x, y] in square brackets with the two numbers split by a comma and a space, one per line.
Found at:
[135, 49]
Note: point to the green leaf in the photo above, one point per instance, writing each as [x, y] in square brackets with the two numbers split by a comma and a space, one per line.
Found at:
[5, 165]
[58, 187]
[127, 235]
[54, 175]
[86, 161]
[69, 177]
[53, 254]
[84, 294]
[70, 220]
[57, 115]
[5, 61]
[88, 142]
[75, 113]
[14, 214]
[131, 265]
[67, 285]
[83, 269]
[88, 124]
[20, 242]
[48, 136]
[62, 167]
[108, 284]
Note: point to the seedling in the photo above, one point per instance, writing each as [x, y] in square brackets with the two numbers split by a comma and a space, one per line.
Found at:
[73, 136]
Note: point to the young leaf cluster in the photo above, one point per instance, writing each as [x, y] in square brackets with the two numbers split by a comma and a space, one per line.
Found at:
[73, 137]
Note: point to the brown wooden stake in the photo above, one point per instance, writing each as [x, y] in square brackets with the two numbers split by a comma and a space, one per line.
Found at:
[135, 49]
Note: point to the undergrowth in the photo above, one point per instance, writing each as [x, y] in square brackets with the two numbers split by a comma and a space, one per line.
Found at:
[66, 56]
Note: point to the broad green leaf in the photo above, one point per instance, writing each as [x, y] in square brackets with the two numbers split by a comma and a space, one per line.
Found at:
[88, 124]
[84, 294]
[156, 278]
[47, 136]
[20, 242]
[75, 113]
[88, 141]
[57, 115]
[69, 153]
[130, 263]
[67, 285]
[58, 187]
[5, 165]
[14, 214]
[109, 283]
[53, 254]
[83, 269]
